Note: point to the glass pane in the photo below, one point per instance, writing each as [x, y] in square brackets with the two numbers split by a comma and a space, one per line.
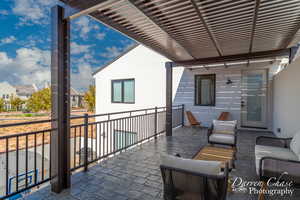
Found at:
[254, 97]
[117, 91]
[206, 91]
[123, 139]
[129, 91]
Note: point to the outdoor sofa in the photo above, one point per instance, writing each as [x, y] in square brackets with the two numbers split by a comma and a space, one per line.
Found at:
[278, 157]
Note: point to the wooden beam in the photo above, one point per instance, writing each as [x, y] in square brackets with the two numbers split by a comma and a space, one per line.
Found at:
[257, 4]
[104, 20]
[233, 58]
[60, 90]
[209, 32]
[160, 26]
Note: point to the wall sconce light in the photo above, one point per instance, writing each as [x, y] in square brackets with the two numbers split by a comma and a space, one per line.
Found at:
[229, 81]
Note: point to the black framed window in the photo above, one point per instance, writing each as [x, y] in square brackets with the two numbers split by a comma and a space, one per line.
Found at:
[122, 91]
[205, 90]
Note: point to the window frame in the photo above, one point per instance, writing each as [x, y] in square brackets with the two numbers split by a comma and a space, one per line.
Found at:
[122, 90]
[212, 77]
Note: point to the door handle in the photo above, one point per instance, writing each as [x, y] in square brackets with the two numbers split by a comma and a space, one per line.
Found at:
[242, 103]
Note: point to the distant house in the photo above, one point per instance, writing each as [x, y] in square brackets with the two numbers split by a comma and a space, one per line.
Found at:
[25, 91]
[7, 91]
[76, 98]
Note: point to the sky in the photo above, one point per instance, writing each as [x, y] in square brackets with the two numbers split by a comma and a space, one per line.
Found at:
[25, 44]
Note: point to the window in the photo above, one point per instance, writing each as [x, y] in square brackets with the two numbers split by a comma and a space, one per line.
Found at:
[205, 89]
[123, 139]
[122, 91]
[3, 96]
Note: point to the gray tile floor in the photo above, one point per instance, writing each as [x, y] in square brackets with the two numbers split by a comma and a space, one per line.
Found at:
[135, 174]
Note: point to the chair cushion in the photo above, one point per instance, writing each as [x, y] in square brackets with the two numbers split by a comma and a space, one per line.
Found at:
[224, 127]
[198, 166]
[222, 138]
[295, 144]
[275, 152]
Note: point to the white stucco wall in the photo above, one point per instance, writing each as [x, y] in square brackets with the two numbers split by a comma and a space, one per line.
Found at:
[147, 68]
[287, 100]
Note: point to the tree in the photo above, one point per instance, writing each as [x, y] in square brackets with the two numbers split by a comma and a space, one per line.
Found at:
[15, 102]
[89, 98]
[2, 105]
[40, 100]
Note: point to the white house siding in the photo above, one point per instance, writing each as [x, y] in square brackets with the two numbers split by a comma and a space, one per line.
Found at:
[147, 68]
[228, 97]
[287, 100]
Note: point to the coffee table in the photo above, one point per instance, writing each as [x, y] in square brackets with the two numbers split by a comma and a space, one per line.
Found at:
[212, 153]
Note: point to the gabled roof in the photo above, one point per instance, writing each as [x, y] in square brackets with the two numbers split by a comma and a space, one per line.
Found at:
[115, 59]
[25, 89]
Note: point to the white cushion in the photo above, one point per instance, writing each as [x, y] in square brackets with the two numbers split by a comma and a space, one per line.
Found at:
[198, 166]
[275, 152]
[224, 126]
[222, 138]
[295, 144]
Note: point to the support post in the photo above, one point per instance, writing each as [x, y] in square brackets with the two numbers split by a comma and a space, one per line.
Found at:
[182, 115]
[155, 123]
[60, 111]
[169, 87]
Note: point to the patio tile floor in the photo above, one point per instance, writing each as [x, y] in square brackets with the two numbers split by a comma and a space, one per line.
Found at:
[135, 174]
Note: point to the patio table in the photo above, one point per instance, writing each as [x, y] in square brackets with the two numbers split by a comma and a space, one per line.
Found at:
[221, 154]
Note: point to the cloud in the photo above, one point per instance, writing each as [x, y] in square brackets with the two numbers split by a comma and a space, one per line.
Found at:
[8, 40]
[32, 65]
[78, 49]
[29, 66]
[100, 36]
[83, 78]
[112, 52]
[84, 25]
[3, 12]
[33, 11]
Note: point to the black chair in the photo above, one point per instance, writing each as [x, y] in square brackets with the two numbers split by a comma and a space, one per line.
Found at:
[186, 179]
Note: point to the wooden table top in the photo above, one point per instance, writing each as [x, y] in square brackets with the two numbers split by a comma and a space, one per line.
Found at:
[216, 154]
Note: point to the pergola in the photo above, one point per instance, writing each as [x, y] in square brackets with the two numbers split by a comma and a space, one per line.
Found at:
[188, 32]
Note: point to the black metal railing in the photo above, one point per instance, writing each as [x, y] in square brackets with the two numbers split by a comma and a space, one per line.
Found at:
[26, 156]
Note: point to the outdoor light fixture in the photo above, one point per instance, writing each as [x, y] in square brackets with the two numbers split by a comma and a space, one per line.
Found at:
[229, 81]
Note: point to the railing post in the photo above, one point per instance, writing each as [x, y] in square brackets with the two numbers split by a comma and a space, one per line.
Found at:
[155, 122]
[86, 134]
[182, 116]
